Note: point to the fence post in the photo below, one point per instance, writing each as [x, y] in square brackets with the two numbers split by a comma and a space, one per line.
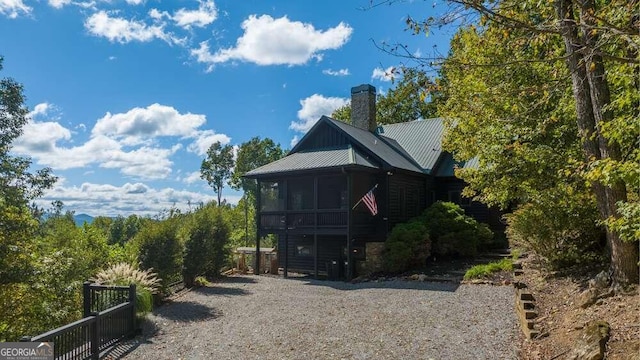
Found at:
[132, 300]
[86, 299]
[95, 336]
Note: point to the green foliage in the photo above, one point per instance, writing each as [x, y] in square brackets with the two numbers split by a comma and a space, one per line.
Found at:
[121, 229]
[562, 228]
[453, 233]
[123, 274]
[216, 167]
[415, 96]
[18, 187]
[407, 247]
[206, 249]
[159, 248]
[253, 154]
[201, 281]
[484, 270]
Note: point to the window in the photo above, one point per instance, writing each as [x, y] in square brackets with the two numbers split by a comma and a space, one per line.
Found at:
[271, 196]
[332, 192]
[300, 194]
[304, 250]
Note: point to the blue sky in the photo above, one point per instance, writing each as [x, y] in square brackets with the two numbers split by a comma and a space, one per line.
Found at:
[127, 95]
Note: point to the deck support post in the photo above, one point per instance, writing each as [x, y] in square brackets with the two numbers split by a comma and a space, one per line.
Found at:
[256, 269]
[350, 199]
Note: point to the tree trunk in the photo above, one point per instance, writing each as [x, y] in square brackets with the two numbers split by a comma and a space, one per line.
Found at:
[591, 94]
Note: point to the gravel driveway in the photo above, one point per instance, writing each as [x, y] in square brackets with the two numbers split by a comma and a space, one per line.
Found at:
[262, 317]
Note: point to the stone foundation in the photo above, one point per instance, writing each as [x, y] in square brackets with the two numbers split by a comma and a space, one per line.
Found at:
[373, 263]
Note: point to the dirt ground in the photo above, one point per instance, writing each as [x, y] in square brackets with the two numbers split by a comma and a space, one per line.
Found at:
[560, 317]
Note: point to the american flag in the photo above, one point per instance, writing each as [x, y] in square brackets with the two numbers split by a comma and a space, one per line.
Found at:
[369, 199]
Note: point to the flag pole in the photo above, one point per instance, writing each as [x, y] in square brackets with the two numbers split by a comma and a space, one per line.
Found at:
[359, 201]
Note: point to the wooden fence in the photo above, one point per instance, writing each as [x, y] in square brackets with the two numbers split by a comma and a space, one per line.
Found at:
[109, 317]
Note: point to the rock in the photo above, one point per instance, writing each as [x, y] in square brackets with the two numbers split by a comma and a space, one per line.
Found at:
[600, 281]
[592, 342]
[414, 277]
[422, 277]
[588, 297]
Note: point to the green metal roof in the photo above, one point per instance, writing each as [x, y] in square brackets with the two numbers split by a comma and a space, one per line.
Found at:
[311, 160]
[414, 146]
[448, 165]
[421, 139]
[386, 152]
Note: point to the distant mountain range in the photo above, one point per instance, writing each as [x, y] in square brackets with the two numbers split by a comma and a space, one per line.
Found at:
[80, 219]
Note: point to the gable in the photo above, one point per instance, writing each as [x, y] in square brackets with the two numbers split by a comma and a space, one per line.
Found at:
[421, 139]
[321, 136]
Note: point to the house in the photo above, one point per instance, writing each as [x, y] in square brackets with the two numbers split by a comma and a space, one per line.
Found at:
[310, 199]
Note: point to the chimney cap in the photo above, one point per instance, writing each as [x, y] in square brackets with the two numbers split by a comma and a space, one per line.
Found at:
[363, 88]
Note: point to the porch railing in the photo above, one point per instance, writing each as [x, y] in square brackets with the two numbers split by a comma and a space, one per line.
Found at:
[294, 219]
[99, 329]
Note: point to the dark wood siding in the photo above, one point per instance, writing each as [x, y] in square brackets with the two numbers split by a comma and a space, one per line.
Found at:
[407, 198]
[324, 137]
[450, 188]
[329, 248]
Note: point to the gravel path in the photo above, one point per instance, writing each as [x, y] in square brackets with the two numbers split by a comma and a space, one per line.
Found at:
[251, 317]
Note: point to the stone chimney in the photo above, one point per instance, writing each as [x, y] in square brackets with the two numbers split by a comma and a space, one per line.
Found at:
[363, 107]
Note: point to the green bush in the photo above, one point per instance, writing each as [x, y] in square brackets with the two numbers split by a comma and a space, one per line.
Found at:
[160, 249]
[407, 247]
[123, 274]
[206, 247]
[561, 229]
[484, 270]
[453, 233]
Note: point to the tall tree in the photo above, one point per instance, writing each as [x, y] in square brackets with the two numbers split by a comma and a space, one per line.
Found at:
[251, 155]
[18, 186]
[216, 167]
[415, 96]
[600, 42]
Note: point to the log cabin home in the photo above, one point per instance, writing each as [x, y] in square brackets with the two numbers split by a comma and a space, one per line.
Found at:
[311, 199]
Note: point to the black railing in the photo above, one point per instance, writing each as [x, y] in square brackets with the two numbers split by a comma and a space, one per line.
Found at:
[101, 297]
[98, 330]
[297, 219]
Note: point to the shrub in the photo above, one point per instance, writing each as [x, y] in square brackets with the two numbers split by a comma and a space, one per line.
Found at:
[484, 270]
[454, 233]
[159, 248]
[407, 247]
[206, 247]
[561, 229]
[123, 274]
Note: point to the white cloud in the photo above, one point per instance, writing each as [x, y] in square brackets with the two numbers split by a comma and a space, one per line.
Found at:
[140, 124]
[341, 72]
[40, 110]
[157, 14]
[383, 74]
[135, 2]
[13, 8]
[313, 108]
[201, 17]
[192, 177]
[130, 198]
[269, 41]
[41, 137]
[294, 141]
[58, 4]
[121, 30]
[120, 141]
[204, 139]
